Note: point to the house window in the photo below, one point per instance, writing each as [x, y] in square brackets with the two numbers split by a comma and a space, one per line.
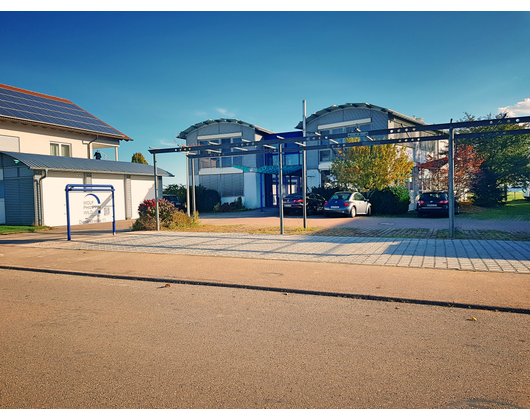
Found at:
[60, 149]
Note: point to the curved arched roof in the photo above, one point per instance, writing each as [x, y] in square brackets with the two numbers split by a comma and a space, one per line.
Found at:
[183, 134]
[333, 108]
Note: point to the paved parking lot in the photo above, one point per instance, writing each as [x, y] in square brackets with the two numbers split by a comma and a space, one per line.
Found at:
[475, 255]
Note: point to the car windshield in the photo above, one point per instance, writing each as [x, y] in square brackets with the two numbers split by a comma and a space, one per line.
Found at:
[341, 196]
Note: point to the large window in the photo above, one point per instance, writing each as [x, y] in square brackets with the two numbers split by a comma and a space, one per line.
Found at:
[325, 154]
[60, 149]
[221, 162]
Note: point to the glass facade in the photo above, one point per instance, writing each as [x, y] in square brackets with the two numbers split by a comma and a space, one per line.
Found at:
[326, 155]
[224, 162]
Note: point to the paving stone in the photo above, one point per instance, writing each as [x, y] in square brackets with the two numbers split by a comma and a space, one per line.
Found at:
[474, 255]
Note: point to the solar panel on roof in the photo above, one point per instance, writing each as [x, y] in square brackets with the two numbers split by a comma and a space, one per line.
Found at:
[38, 109]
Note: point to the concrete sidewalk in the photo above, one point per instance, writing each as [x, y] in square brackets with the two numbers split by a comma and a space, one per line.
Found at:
[472, 255]
[484, 273]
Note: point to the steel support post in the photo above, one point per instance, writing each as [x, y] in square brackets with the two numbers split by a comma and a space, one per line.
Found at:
[156, 194]
[304, 171]
[451, 191]
[188, 205]
[280, 193]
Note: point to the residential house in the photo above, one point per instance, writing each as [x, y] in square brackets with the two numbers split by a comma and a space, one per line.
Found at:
[48, 142]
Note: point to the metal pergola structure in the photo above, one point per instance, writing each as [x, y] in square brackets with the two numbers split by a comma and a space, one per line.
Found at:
[403, 135]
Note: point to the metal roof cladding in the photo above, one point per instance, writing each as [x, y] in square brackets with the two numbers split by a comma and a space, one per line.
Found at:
[26, 106]
[61, 163]
[184, 134]
[332, 108]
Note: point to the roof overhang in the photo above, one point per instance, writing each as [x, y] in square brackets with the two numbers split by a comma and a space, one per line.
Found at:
[60, 163]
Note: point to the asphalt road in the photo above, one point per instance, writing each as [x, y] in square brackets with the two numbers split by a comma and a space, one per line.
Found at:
[100, 342]
[85, 342]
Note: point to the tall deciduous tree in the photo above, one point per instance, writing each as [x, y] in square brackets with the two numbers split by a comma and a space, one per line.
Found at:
[467, 168]
[371, 168]
[506, 161]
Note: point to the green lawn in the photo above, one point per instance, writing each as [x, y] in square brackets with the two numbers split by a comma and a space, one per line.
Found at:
[4, 230]
[517, 210]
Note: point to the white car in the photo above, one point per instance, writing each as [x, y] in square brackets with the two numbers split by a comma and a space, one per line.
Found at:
[349, 203]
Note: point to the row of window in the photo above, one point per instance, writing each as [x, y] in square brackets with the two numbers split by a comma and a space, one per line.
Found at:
[225, 162]
[326, 155]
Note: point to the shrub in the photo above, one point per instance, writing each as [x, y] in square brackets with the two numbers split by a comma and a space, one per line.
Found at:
[148, 208]
[325, 192]
[169, 216]
[181, 220]
[390, 200]
[206, 199]
[485, 191]
[228, 207]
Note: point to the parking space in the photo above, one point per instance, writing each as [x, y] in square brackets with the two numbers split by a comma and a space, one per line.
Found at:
[270, 217]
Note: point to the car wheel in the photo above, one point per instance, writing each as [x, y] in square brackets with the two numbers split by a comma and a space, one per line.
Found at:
[369, 211]
[286, 212]
[326, 214]
[420, 214]
[353, 212]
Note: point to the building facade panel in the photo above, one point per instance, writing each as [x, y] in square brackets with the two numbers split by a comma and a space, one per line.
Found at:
[19, 201]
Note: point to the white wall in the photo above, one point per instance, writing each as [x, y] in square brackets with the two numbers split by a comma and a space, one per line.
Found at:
[142, 188]
[251, 191]
[54, 197]
[84, 206]
[37, 139]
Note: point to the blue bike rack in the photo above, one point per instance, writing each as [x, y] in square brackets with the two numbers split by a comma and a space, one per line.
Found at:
[88, 188]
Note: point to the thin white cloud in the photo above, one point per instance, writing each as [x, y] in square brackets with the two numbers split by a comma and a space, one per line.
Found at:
[517, 110]
[167, 143]
[225, 112]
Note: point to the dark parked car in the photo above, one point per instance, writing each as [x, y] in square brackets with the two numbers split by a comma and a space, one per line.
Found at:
[347, 202]
[293, 202]
[174, 200]
[435, 202]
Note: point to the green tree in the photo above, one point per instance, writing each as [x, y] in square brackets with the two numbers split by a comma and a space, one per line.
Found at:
[139, 158]
[206, 198]
[506, 161]
[178, 190]
[371, 168]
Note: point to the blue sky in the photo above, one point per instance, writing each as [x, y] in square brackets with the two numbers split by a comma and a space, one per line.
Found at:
[154, 74]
